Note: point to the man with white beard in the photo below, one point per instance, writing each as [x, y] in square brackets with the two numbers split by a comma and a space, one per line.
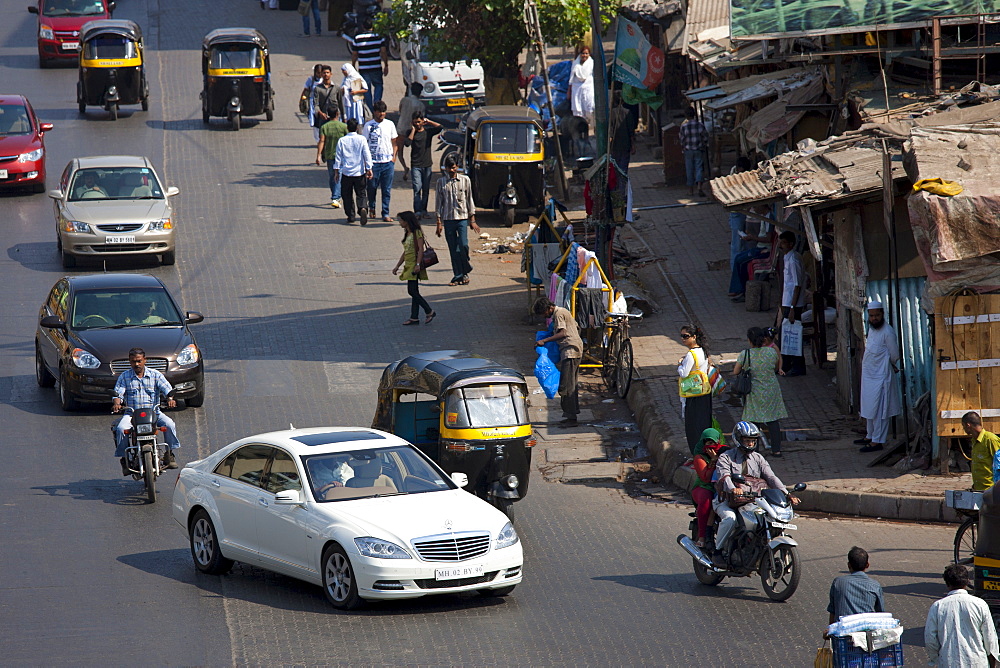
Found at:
[879, 394]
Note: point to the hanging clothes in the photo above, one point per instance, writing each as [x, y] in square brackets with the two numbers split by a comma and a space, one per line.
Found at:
[572, 265]
[553, 285]
[591, 306]
[542, 255]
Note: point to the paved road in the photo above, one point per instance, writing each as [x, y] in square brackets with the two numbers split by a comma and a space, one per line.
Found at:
[302, 314]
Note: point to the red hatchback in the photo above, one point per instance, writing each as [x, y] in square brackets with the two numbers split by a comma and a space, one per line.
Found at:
[59, 24]
[22, 144]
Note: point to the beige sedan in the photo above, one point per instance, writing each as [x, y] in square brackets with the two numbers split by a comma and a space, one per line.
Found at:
[113, 206]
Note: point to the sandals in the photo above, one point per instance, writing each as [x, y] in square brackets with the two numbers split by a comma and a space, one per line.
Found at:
[411, 321]
[464, 281]
[430, 317]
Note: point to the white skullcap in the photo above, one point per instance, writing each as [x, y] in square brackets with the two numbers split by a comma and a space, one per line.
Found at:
[874, 304]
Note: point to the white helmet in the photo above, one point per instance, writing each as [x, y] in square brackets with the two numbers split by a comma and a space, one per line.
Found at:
[747, 435]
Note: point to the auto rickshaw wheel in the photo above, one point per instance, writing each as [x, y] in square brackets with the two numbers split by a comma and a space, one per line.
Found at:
[114, 112]
[235, 120]
[145, 103]
[508, 216]
[81, 107]
[269, 112]
[204, 116]
[506, 506]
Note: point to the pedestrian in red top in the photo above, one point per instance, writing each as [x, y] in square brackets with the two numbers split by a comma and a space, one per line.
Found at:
[705, 455]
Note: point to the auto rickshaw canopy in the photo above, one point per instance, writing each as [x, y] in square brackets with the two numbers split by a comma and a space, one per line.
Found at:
[234, 35]
[123, 27]
[506, 113]
[436, 373]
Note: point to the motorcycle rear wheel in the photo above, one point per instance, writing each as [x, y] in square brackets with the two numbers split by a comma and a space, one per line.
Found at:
[781, 585]
[705, 576]
[149, 475]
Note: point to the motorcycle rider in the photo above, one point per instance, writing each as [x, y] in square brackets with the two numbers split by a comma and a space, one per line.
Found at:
[741, 460]
[138, 388]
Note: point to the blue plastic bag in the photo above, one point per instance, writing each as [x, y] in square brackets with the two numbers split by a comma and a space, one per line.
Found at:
[552, 347]
[546, 372]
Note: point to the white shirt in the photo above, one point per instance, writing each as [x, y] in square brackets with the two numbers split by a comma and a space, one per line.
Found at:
[353, 157]
[380, 138]
[960, 632]
[793, 276]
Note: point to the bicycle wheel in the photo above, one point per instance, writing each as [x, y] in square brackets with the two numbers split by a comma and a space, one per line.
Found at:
[624, 367]
[965, 541]
[610, 361]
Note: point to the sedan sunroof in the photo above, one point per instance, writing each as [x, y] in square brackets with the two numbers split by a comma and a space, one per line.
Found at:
[336, 437]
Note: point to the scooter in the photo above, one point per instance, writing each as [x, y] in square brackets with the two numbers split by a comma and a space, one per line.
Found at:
[758, 544]
[146, 449]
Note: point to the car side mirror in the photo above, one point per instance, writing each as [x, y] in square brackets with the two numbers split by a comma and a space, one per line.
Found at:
[288, 497]
[55, 194]
[193, 318]
[52, 322]
[460, 479]
[799, 487]
[32, 9]
[45, 127]
[173, 190]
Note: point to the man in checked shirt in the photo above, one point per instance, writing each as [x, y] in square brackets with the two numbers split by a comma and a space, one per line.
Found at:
[855, 593]
[137, 388]
[694, 141]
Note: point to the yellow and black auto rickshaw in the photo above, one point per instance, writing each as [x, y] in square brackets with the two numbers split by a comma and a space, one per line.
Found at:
[986, 559]
[468, 414]
[236, 69]
[111, 69]
[504, 157]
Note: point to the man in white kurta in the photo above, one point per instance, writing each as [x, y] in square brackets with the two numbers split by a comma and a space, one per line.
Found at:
[879, 393]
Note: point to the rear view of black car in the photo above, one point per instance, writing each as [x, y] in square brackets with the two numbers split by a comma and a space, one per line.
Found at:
[88, 324]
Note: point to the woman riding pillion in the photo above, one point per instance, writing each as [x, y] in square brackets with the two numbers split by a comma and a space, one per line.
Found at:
[706, 453]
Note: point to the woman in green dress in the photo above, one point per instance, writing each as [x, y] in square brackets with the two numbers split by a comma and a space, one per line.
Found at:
[764, 404]
[413, 255]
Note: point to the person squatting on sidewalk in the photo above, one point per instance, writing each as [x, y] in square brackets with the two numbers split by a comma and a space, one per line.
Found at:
[566, 333]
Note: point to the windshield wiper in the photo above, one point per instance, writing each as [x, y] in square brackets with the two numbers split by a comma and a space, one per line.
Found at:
[159, 324]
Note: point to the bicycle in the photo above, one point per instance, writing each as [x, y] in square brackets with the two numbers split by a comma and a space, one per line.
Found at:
[618, 365]
[965, 537]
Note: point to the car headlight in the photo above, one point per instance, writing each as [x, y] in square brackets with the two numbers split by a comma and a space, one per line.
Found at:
[507, 536]
[161, 225]
[189, 355]
[31, 156]
[429, 87]
[85, 360]
[77, 226]
[380, 549]
[45, 32]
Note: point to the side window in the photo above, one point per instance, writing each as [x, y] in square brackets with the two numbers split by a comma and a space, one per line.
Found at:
[284, 474]
[246, 464]
[57, 300]
[64, 181]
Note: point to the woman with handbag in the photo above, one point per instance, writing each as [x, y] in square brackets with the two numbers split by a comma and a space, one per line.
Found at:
[764, 404]
[414, 265]
[695, 389]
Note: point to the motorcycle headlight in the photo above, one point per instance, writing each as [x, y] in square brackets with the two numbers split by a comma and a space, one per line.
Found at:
[161, 225]
[45, 32]
[429, 87]
[783, 514]
[507, 536]
[85, 360]
[77, 226]
[31, 156]
[189, 355]
[380, 549]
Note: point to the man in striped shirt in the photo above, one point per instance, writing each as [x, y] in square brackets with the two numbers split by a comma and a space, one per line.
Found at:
[456, 211]
[371, 58]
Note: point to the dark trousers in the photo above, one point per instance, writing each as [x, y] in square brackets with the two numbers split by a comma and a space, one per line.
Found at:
[351, 187]
[773, 434]
[421, 177]
[697, 418]
[738, 280]
[416, 301]
[569, 396]
[792, 364]
[456, 233]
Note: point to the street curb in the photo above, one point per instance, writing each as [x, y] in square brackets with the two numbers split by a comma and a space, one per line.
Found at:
[655, 431]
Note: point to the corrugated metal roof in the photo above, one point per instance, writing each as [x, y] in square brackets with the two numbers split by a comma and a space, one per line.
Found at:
[704, 15]
[740, 188]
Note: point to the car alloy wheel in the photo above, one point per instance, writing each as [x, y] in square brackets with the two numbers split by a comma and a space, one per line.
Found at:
[205, 546]
[339, 583]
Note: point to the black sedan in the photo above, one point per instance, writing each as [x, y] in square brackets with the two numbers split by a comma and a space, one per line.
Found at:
[88, 324]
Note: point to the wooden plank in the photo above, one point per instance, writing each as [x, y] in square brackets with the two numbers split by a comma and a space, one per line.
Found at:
[990, 376]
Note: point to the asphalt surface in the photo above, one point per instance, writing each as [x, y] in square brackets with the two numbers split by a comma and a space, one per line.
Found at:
[301, 316]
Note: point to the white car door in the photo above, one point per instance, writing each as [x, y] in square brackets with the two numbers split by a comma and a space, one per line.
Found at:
[283, 537]
[236, 485]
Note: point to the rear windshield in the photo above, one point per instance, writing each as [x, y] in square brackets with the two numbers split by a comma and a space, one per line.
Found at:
[73, 8]
[109, 47]
[14, 120]
[509, 138]
[234, 57]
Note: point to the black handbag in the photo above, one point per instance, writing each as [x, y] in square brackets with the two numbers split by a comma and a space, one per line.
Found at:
[743, 382]
[429, 258]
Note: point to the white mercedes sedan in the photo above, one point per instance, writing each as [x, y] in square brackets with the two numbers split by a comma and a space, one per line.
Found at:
[360, 512]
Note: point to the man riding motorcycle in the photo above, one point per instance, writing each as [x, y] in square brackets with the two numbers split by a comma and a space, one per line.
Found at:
[742, 460]
[139, 388]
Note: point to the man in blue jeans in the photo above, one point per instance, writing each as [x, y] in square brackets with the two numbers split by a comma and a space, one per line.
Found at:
[421, 134]
[694, 140]
[314, 9]
[381, 136]
[371, 57]
[331, 133]
[455, 212]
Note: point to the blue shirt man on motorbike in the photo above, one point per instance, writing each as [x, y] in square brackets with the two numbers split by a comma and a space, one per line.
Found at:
[139, 388]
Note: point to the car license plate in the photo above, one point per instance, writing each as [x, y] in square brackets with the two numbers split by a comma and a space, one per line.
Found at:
[70, 46]
[119, 239]
[782, 525]
[459, 572]
[3, 173]
[460, 101]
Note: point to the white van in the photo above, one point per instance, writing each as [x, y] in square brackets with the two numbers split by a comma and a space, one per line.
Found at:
[448, 87]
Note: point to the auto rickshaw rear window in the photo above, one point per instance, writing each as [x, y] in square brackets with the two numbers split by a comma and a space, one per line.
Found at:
[109, 47]
[485, 406]
[509, 138]
[73, 8]
[234, 57]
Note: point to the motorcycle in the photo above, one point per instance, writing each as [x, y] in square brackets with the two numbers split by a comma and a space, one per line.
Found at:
[758, 544]
[146, 449]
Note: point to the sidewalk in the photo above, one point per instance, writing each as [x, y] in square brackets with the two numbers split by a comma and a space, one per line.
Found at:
[681, 256]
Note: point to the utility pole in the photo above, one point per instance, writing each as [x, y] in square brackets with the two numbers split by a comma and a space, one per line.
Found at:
[534, 28]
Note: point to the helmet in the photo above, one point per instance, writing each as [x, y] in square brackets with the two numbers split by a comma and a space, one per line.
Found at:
[743, 433]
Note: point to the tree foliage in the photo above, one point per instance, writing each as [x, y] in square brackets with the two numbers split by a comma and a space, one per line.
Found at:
[491, 30]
